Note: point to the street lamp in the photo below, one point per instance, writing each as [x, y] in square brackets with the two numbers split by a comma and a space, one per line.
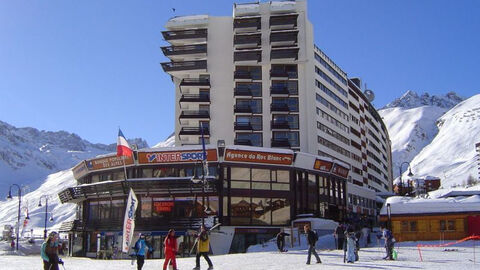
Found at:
[19, 206]
[196, 180]
[389, 214]
[46, 214]
[410, 174]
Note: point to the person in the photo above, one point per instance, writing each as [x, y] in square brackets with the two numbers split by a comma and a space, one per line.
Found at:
[12, 244]
[203, 247]
[281, 241]
[141, 247]
[170, 244]
[49, 252]
[339, 235]
[351, 247]
[312, 240]
[387, 235]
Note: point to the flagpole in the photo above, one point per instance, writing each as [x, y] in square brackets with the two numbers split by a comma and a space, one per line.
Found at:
[124, 167]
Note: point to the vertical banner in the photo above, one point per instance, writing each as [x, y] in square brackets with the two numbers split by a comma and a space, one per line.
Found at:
[129, 221]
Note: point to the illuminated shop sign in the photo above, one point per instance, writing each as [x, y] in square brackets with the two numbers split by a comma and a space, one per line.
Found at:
[340, 170]
[108, 162]
[258, 157]
[322, 165]
[163, 207]
[175, 156]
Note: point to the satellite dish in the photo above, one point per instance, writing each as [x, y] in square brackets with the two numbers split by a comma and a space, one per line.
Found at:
[369, 95]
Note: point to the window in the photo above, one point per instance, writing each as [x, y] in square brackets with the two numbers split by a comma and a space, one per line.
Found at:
[255, 104]
[291, 119]
[292, 102]
[254, 121]
[254, 88]
[290, 86]
[408, 226]
[447, 225]
[292, 137]
[146, 207]
[254, 71]
[255, 139]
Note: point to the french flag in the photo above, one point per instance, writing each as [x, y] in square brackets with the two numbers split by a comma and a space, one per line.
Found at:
[123, 149]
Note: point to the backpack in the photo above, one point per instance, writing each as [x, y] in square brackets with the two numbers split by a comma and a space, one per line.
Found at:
[316, 236]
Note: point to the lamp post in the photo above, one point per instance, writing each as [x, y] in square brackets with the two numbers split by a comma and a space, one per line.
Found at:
[410, 174]
[19, 206]
[204, 175]
[46, 213]
[389, 214]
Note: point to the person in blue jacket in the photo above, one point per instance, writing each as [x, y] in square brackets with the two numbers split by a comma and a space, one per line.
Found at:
[141, 248]
[49, 252]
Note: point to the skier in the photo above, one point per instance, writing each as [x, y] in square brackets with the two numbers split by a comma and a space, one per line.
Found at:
[49, 252]
[281, 241]
[140, 249]
[351, 247]
[170, 244]
[387, 235]
[339, 235]
[312, 239]
[203, 246]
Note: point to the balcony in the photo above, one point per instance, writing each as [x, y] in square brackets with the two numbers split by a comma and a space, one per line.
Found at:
[185, 66]
[280, 142]
[280, 124]
[291, 54]
[248, 24]
[185, 36]
[179, 52]
[195, 98]
[194, 131]
[242, 142]
[242, 41]
[279, 90]
[279, 107]
[195, 82]
[283, 74]
[284, 38]
[242, 109]
[255, 56]
[242, 91]
[246, 75]
[243, 126]
[195, 114]
[283, 22]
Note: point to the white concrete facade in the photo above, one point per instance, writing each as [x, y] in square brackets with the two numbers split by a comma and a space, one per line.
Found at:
[320, 112]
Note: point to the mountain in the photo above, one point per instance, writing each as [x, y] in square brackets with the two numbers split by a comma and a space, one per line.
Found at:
[53, 183]
[28, 155]
[411, 100]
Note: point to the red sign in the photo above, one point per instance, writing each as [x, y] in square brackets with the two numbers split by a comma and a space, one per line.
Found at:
[258, 157]
[162, 207]
[176, 156]
[322, 165]
[340, 170]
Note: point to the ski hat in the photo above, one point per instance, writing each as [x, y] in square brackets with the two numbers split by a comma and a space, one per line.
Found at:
[52, 234]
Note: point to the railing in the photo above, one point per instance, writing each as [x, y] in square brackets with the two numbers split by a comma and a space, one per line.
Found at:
[182, 50]
[243, 126]
[242, 92]
[248, 56]
[280, 143]
[242, 74]
[242, 109]
[279, 107]
[195, 114]
[284, 20]
[195, 98]
[195, 82]
[277, 73]
[284, 53]
[194, 131]
[247, 39]
[242, 142]
[186, 65]
[247, 23]
[279, 90]
[185, 34]
[284, 36]
[280, 125]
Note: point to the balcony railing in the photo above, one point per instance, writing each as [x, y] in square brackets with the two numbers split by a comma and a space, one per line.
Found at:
[243, 74]
[279, 73]
[279, 107]
[284, 53]
[248, 56]
[242, 91]
[279, 90]
[185, 34]
[247, 39]
[242, 109]
[184, 50]
[284, 36]
[185, 65]
[247, 23]
[283, 21]
[243, 142]
[194, 131]
[280, 142]
[243, 126]
[195, 98]
[280, 124]
[195, 114]
[195, 82]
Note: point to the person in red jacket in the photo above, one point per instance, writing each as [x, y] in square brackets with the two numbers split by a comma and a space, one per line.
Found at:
[170, 244]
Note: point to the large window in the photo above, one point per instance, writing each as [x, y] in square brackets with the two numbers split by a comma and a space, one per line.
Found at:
[408, 226]
[254, 104]
[259, 211]
[254, 71]
[290, 119]
[255, 139]
[291, 136]
[447, 225]
[288, 86]
[254, 121]
[291, 102]
[254, 88]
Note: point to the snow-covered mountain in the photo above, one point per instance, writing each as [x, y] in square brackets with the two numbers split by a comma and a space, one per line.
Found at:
[423, 132]
[28, 155]
[51, 184]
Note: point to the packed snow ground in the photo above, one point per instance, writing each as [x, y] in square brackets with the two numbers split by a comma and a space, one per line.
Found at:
[459, 257]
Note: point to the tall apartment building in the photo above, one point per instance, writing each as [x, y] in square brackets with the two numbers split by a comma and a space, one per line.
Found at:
[256, 78]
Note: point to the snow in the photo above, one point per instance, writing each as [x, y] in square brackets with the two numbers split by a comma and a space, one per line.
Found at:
[407, 205]
[169, 142]
[459, 256]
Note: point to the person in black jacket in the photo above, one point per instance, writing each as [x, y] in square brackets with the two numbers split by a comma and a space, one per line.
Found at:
[339, 235]
[312, 239]
[281, 241]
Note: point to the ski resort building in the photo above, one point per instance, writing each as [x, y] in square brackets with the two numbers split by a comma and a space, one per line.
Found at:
[288, 135]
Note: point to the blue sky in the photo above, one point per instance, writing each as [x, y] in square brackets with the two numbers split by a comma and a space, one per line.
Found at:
[89, 66]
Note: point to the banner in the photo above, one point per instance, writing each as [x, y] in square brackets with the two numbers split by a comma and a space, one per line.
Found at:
[129, 221]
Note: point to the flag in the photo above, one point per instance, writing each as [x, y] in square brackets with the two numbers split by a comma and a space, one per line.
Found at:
[129, 221]
[123, 149]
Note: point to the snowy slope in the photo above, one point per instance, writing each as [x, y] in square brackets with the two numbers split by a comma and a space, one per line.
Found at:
[451, 155]
[28, 155]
